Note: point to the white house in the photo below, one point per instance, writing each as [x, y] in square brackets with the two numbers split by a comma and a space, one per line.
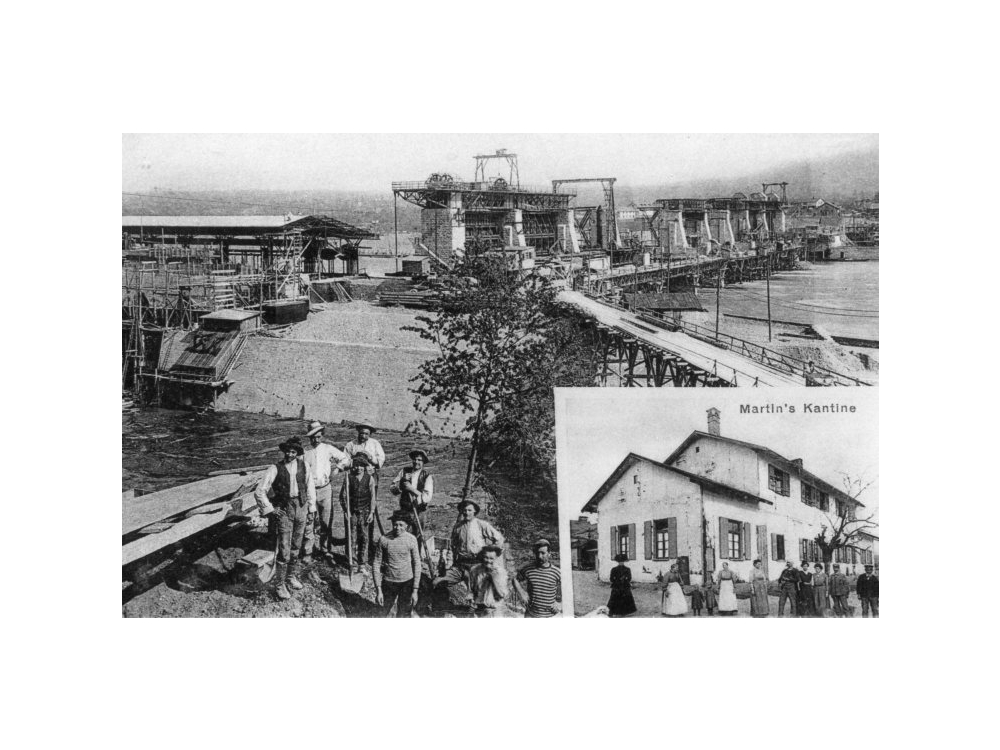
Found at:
[714, 500]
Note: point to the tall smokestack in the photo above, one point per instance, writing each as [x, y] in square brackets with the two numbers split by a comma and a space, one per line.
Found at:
[714, 421]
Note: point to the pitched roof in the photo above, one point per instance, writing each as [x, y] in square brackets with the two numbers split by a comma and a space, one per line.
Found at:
[776, 458]
[633, 458]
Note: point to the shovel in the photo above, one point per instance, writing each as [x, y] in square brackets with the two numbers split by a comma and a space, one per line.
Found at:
[266, 572]
[347, 583]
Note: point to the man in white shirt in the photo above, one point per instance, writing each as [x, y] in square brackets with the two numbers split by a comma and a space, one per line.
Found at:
[365, 443]
[292, 498]
[324, 461]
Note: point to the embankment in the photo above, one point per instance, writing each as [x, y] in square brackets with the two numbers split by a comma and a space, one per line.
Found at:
[348, 362]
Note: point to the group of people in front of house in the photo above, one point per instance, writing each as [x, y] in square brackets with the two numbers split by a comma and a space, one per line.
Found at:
[807, 593]
[296, 496]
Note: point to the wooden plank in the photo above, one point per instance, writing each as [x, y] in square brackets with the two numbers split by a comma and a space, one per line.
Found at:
[157, 506]
[147, 545]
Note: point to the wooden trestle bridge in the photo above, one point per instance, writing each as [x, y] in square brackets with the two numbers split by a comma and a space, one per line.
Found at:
[643, 349]
[695, 271]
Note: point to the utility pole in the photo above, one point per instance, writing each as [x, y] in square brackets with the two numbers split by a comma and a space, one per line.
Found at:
[769, 297]
[669, 233]
[395, 225]
[718, 295]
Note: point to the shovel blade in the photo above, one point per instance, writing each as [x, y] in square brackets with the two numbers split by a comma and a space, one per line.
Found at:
[350, 583]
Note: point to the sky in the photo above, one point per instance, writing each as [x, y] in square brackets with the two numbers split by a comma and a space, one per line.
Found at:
[371, 162]
[603, 425]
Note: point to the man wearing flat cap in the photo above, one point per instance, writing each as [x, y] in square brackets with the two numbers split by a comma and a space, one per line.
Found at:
[468, 537]
[366, 444]
[839, 590]
[397, 569]
[324, 461]
[543, 581]
[414, 485]
[868, 591]
[292, 497]
[359, 488]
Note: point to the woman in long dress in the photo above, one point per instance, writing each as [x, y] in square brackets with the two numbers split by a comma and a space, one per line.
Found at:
[673, 603]
[758, 595]
[621, 603]
[820, 584]
[727, 591]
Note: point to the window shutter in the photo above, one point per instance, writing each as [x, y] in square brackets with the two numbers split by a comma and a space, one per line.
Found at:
[614, 542]
[785, 484]
[672, 537]
[774, 547]
[631, 541]
[746, 541]
[723, 538]
[647, 539]
[803, 549]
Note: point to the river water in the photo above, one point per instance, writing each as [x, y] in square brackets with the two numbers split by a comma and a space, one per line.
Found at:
[840, 296]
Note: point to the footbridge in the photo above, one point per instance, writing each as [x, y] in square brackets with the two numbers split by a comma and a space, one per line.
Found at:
[643, 349]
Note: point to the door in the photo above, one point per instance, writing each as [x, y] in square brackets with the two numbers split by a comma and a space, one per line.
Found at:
[762, 547]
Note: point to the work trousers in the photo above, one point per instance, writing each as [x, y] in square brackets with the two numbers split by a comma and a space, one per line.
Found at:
[459, 571]
[363, 534]
[840, 606]
[322, 531]
[787, 592]
[869, 601]
[290, 526]
[398, 594]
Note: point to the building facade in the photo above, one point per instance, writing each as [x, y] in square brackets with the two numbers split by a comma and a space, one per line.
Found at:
[717, 500]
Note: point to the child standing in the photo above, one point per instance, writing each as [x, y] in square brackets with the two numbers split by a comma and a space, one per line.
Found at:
[697, 600]
[709, 592]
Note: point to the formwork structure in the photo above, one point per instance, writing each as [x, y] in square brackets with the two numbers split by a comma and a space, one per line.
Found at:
[176, 270]
[596, 226]
[489, 216]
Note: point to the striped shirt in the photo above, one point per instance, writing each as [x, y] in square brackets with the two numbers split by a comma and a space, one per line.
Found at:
[543, 588]
[400, 557]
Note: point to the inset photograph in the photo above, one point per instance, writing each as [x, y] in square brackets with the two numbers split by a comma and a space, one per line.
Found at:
[719, 502]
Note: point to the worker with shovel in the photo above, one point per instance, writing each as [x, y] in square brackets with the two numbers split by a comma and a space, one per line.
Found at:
[293, 498]
[397, 568]
[357, 499]
[414, 486]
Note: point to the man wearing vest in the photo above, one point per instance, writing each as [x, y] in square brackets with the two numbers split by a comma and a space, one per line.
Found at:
[868, 591]
[324, 461]
[788, 586]
[293, 498]
[359, 488]
[415, 486]
[839, 589]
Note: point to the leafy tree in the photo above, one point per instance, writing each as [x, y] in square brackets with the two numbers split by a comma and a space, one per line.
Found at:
[497, 330]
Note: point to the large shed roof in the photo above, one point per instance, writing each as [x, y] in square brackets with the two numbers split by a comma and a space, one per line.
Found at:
[245, 225]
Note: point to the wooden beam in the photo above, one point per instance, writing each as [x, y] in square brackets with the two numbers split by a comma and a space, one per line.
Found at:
[158, 506]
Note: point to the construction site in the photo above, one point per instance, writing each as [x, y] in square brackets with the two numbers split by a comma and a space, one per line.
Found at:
[281, 314]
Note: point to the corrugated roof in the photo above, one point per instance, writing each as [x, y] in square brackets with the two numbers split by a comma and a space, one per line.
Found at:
[185, 222]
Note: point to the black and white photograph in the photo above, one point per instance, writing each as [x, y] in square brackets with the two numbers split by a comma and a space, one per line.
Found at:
[723, 503]
[339, 351]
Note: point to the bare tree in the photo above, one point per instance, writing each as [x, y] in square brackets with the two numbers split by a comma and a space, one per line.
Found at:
[843, 531]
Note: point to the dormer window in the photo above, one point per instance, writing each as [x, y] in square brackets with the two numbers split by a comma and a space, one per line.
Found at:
[778, 481]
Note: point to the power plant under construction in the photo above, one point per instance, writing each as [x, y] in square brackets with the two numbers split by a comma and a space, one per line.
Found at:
[285, 314]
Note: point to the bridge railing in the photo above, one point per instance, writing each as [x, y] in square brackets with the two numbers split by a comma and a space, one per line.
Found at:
[756, 352]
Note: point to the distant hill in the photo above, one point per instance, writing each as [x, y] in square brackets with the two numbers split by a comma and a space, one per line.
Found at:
[839, 178]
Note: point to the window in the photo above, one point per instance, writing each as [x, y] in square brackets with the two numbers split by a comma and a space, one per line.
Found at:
[734, 541]
[777, 546]
[777, 480]
[845, 510]
[815, 498]
[623, 541]
[661, 539]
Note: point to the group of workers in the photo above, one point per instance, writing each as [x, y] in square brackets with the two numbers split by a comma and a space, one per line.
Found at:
[296, 495]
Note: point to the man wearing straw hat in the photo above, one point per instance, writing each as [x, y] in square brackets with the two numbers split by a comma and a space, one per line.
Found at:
[293, 497]
[414, 485]
[397, 568]
[324, 461]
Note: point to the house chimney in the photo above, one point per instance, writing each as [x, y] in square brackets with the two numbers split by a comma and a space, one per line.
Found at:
[797, 463]
[714, 422]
